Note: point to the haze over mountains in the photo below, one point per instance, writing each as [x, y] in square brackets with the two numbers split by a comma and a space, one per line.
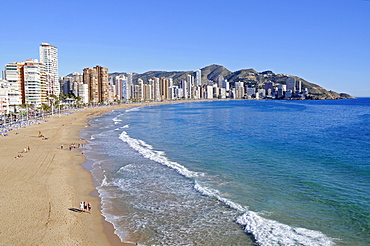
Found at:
[249, 76]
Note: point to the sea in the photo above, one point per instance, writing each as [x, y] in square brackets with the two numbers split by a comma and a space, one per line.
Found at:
[235, 172]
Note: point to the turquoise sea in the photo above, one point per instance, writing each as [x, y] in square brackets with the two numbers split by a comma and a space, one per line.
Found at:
[235, 172]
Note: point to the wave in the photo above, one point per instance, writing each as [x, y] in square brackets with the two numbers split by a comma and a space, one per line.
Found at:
[215, 193]
[116, 119]
[158, 156]
[133, 109]
[266, 232]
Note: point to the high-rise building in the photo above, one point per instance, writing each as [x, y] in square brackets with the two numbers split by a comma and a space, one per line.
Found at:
[281, 90]
[293, 85]
[269, 88]
[141, 89]
[49, 57]
[198, 77]
[220, 79]
[97, 80]
[184, 87]
[90, 77]
[290, 84]
[26, 83]
[69, 84]
[4, 98]
[14, 79]
[33, 82]
[163, 87]
[103, 83]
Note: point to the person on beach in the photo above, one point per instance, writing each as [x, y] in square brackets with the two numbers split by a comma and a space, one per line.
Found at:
[82, 206]
[89, 207]
[85, 206]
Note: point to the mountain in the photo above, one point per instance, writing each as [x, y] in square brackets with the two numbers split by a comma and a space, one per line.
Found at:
[249, 76]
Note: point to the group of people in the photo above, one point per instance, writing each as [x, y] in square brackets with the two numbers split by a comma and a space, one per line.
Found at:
[75, 145]
[85, 207]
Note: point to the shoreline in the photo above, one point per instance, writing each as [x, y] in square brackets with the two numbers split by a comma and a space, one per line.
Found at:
[40, 192]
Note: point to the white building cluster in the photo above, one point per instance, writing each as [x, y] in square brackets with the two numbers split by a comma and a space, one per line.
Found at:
[30, 82]
[160, 89]
[291, 90]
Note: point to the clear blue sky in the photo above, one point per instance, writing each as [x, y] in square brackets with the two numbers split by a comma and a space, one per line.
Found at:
[326, 42]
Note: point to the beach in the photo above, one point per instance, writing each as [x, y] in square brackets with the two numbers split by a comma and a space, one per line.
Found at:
[41, 190]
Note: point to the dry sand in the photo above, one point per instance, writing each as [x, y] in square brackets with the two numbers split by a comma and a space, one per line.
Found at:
[41, 191]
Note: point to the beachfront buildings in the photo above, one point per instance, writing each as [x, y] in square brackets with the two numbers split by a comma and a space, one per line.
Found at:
[36, 83]
[49, 57]
[162, 89]
[96, 79]
[25, 82]
[33, 81]
[4, 97]
[12, 75]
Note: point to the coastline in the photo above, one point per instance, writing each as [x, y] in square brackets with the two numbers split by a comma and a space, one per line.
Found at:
[41, 191]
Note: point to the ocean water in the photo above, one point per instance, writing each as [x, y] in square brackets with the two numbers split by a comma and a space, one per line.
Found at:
[235, 172]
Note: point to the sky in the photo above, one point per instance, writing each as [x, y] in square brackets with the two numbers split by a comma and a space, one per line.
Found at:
[326, 42]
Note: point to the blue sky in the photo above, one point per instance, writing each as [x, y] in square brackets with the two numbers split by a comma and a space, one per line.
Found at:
[326, 42]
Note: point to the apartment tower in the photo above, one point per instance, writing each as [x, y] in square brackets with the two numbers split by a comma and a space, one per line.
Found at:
[97, 80]
[49, 57]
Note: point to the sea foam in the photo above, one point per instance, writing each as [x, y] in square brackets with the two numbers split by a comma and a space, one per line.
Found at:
[158, 156]
[266, 232]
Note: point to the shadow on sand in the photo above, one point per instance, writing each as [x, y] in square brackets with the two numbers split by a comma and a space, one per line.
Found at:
[76, 210]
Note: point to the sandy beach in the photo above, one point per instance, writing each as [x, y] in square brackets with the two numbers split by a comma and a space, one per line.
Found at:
[41, 191]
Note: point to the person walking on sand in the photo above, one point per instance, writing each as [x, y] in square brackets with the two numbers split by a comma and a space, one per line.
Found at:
[82, 206]
[89, 207]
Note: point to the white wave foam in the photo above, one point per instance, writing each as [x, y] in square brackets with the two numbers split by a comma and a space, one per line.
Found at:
[104, 182]
[126, 168]
[215, 193]
[133, 109]
[125, 126]
[265, 231]
[115, 119]
[269, 232]
[146, 150]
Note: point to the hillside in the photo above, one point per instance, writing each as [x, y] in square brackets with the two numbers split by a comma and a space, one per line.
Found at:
[249, 76]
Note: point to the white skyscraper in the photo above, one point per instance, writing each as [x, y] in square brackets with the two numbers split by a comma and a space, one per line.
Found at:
[49, 57]
[198, 77]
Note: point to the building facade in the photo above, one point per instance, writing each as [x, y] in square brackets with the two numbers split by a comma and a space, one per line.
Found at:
[49, 57]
